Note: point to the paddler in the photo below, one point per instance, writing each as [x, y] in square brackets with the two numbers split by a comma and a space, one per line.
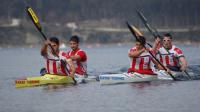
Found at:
[78, 57]
[170, 55]
[57, 61]
[141, 59]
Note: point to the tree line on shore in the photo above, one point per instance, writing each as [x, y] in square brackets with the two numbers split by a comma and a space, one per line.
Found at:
[55, 16]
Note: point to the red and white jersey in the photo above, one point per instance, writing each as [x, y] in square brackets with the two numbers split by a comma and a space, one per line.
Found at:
[170, 57]
[80, 66]
[141, 64]
[54, 65]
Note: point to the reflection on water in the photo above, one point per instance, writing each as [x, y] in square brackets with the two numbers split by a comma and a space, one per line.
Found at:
[143, 85]
[55, 88]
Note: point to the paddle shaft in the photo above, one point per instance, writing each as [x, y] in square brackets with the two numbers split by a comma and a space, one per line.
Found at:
[144, 20]
[132, 31]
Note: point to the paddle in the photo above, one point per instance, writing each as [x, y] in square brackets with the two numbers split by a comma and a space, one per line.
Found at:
[134, 34]
[140, 34]
[35, 21]
[154, 32]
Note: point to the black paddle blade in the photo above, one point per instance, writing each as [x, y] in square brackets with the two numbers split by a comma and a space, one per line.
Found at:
[33, 17]
[131, 29]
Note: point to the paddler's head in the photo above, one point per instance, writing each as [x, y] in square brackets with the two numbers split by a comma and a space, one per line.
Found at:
[54, 43]
[74, 42]
[140, 42]
[167, 41]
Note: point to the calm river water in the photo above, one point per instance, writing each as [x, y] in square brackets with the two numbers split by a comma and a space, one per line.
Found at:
[157, 96]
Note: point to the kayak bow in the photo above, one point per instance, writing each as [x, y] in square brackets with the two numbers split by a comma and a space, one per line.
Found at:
[43, 80]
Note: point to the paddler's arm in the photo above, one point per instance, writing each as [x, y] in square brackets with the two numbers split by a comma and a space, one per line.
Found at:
[183, 63]
[44, 48]
[160, 67]
[181, 58]
[156, 44]
[157, 65]
[136, 53]
[75, 58]
[72, 68]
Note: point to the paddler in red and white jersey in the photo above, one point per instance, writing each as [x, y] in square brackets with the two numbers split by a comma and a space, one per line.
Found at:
[170, 55]
[141, 60]
[56, 60]
[78, 57]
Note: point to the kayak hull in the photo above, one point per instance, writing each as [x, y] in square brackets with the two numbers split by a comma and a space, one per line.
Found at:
[135, 77]
[125, 78]
[43, 80]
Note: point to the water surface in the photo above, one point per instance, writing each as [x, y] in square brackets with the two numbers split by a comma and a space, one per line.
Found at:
[157, 96]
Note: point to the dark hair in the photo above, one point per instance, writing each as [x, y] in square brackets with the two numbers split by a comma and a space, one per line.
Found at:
[159, 36]
[54, 39]
[141, 39]
[168, 35]
[74, 38]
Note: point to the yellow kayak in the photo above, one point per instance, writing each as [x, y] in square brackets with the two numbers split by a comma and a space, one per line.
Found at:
[43, 80]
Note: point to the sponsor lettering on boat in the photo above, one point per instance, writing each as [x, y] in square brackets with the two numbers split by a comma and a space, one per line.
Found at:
[33, 81]
[20, 81]
[110, 78]
[104, 78]
[117, 78]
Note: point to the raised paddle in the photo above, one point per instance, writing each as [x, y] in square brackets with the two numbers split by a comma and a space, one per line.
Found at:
[136, 37]
[36, 22]
[154, 32]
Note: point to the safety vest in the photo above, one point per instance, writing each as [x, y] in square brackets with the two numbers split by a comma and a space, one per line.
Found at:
[54, 64]
[80, 66]
[170, 57]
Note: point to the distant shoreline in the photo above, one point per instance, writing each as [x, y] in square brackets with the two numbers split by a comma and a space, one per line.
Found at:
[91, 45]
